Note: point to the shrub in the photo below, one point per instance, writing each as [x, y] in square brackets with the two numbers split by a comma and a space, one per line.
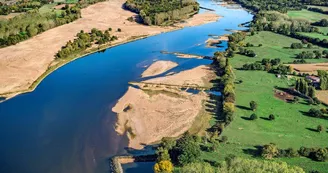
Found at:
[321, 155]
[119, 30]
[269, 151]
[253, 117]
[253, 105]
[163, 166]
[321, 128]
[272, 117]
[315, 112]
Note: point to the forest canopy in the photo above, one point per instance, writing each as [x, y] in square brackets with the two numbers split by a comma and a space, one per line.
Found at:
[156, 12]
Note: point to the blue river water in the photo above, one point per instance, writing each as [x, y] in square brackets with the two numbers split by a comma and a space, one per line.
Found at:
[66, 125]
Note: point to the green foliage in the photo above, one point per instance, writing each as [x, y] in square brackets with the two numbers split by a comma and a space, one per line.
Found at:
[253, 117]
[253, 105]
[315, 113]
[159, 12]
[198, 167]
[321, 128]
[269, 151]
[239, 165]
[272, 117]
[32, 23]
[84, 41]
[187, 150]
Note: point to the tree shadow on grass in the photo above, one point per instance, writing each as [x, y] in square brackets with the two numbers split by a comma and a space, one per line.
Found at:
[243, 107]
[265, 118]
[312, 129]
[255, 151]
[246, 118]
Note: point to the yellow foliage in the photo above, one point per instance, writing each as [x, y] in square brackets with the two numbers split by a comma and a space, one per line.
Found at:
[163, 166]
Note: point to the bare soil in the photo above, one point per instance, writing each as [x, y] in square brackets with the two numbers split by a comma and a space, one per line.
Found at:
[322, 96]
[22, 64]
[310, 67]
[158, 67]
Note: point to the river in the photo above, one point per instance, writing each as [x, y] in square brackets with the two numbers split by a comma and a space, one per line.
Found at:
[66, 124]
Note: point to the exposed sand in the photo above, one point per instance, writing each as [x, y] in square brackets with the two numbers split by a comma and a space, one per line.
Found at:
[322, 96]
[158, 67]
[153, 117]
[22, 64]
[158, 110]
[198, 76]
[310, 67]
[200, 19]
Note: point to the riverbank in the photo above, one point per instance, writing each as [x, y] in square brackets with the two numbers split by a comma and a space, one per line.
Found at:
[23, 66]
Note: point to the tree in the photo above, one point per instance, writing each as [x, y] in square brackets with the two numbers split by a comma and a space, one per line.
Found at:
[315, 112]
[187, 150]
[198, 167]
[311, 92]
[321, 128]
[321, 155]
[253, 117]
[119, 30]
[253, 105]
[32, 30]
[272, 117]
[163, 166]
[240, 165]
[269, 151]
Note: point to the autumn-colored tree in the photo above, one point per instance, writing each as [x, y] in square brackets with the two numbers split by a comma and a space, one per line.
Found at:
[163, 166]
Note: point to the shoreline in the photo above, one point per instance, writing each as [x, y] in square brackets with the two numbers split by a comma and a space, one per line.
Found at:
[59, 63]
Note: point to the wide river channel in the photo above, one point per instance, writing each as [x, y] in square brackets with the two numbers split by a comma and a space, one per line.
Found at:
[66, 125]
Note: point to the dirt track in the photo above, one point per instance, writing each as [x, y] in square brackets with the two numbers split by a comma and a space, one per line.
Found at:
[22, 64]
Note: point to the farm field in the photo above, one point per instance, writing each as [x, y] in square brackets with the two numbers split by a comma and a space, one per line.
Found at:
[291, 128]
[307, 15]
[274, 46]
[311, 68]
[323, 96]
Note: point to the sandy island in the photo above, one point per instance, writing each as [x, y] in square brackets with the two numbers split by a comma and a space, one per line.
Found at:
[158, 67]
[159, 110]
[24, 63]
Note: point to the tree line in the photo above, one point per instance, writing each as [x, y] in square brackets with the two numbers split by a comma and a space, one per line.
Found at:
[21, 6]
[32, 23]
[160, 12]
[84, 41]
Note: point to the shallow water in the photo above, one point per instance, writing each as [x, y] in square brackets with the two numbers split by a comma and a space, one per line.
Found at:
[66, 125]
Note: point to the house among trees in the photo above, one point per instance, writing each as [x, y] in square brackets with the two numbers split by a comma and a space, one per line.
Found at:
[314, 80]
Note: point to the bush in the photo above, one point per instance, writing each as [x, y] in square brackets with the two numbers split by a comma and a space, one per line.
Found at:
[163, 166]
[269, 151]
[253, 105]
[119, 30]
[253, 117]
[272, 117]
[315, 112]
[224, 139]
[321, 128]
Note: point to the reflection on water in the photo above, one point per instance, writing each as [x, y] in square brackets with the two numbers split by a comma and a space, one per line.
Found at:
[66, 125]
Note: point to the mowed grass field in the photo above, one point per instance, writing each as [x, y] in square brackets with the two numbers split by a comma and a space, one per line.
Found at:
[323, 29]
[307, 15]
[290, 129]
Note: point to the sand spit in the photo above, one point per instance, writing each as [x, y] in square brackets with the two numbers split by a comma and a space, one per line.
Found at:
[199, 76]
[22, 64]
[200, 19]
[147, 118]
[158, 67]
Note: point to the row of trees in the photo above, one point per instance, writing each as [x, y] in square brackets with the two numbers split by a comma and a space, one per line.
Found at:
[323, 75]
[318, 10]
[303, 87]
[271, 150]
[246, 52]
[32, 23]
[316, 54]
[160, 12]
[84, 41]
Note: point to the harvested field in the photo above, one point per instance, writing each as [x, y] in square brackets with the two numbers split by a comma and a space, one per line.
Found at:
[158, 67]
[322, 96]
[311, 68]
[22, 64]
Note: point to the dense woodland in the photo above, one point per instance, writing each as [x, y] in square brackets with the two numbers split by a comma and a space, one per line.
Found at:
[85, 41]
[162, 12]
